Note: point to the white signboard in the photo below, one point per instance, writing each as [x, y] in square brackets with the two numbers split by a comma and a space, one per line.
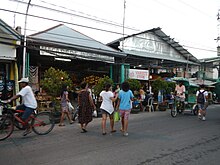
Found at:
[61, 52]
[138, 74]
[7, 52]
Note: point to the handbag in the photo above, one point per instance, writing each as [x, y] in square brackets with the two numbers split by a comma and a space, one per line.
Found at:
[116, 116]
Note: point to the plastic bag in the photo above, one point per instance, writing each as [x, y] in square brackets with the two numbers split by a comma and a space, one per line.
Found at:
[70, 107]
[116, 116]
[94, 114]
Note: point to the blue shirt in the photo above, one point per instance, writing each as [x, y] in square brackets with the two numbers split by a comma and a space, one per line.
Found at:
[125, 99]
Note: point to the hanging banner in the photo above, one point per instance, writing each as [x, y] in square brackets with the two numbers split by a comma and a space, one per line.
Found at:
[139, 74]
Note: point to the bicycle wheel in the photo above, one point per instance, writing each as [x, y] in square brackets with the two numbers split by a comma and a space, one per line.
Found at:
[174, 111]
[6, 127]
[43, 123]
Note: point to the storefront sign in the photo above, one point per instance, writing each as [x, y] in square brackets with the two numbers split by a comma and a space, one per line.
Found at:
[138, 74]
[71, 54]
[151, 44]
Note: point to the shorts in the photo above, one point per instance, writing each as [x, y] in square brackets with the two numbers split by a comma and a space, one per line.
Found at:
[180, 98]
[202, 106]
[65, 108]
[27, 111]
[125, 114]
[105, 112]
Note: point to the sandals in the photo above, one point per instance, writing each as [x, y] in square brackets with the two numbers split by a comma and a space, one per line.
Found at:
[113, 131]
[84, 130]
[61, 125]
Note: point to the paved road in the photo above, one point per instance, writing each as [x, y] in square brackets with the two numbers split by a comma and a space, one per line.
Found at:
[154, 139]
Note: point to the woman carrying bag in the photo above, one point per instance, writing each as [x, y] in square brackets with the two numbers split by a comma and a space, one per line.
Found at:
[107, 108]
[64, 106]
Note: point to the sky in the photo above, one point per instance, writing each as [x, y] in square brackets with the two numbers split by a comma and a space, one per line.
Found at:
[192, 23]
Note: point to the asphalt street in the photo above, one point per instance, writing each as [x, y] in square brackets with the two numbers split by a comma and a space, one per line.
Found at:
[154, 139]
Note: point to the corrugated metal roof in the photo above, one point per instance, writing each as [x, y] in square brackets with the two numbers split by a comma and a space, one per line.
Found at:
[167, 39]
[65, 36]
[8, 34]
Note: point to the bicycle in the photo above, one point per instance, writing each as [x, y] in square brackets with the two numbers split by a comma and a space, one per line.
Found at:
[41, 123]
[177, 107]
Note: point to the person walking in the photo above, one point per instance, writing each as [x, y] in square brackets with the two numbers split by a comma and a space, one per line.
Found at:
[86, 107]
[142, 96]
[29, 102]
[107, 98]
[202, 102]
[125, 97]
[64, 105]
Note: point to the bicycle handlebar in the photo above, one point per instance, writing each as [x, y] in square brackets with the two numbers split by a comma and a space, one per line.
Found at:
[4, 101]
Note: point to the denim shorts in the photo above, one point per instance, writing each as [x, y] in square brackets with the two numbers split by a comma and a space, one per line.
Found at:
[27, 111]
[201, 106]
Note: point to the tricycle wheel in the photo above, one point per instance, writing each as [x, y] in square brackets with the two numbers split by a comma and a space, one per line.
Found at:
[195, 109]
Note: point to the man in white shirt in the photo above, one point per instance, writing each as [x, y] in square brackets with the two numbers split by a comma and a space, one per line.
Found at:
[202, 102]
[29, 103]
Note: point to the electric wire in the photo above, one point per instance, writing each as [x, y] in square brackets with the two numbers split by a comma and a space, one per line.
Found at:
[95, 18]
[60, 6]
[77, 15]
[195, 8]
[116, 33]
[56, 20]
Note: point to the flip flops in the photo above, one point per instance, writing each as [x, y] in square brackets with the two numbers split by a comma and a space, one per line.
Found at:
[113, 131]
[84, 130]
[61, 125]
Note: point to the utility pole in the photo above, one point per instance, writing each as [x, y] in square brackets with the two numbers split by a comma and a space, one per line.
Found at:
[123, 28]
[25, 41]
[218, 39]
[123, 33]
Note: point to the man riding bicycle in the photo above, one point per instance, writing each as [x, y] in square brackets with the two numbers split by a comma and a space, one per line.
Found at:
[29, 103]
[180, 92]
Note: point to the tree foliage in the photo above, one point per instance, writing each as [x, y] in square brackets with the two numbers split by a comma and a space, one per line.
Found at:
[53, 81]
[165, 86]
[134, 84]
[101, 84]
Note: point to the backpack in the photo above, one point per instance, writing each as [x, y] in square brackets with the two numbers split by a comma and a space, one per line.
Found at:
[201, 97]
[145, 101]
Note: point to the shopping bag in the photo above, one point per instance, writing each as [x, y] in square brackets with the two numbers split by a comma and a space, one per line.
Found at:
[116, 116]
[94, 114]
[70, 106]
